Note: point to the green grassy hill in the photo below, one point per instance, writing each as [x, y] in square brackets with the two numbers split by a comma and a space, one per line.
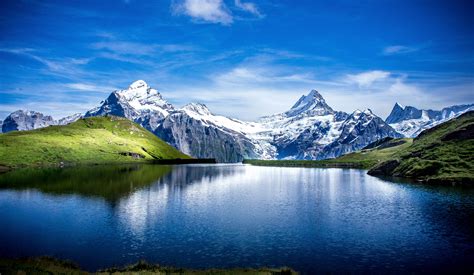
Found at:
[87, 141]
[443, 154]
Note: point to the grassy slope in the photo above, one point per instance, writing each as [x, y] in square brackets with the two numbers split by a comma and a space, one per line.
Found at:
[444, 153]
[47, 265]
[363, 159]
[90, 140]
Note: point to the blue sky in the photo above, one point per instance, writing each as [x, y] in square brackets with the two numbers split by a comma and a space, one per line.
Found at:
[243, 58]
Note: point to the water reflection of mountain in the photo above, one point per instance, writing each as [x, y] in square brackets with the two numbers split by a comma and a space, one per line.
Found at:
[110, 182]
[182, 176]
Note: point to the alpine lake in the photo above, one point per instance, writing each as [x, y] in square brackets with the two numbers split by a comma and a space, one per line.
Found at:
[233, 215]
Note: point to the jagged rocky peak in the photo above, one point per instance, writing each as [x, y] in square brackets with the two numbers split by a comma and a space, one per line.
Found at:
[363, 116]
[400, 113]
[22, 120]
[313, 104]
[197, 108]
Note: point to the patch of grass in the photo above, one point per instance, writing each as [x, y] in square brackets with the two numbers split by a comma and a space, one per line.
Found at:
[48, 265]
[92, 140]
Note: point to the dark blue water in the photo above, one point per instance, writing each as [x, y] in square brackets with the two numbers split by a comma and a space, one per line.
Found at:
[202, 216]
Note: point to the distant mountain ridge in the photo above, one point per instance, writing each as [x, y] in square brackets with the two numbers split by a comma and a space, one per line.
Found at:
[411, 121]
[310, 129]
[23, 120]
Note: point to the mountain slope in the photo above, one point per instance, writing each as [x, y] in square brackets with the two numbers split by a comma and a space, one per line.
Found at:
[91, 140]
[198, 132]
[411, 121]
[444, 153]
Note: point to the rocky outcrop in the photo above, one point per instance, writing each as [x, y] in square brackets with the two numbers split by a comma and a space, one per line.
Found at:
[385, 168]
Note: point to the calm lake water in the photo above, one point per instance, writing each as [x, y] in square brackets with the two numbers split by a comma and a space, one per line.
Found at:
[203, 216]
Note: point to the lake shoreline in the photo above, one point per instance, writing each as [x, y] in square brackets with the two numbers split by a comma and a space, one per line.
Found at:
[6, 168]
[305, 163]
[46, 264]
[468, 182]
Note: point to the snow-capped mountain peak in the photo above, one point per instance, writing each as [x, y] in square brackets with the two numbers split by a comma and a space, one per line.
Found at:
[197, 108]
[312, 103]
[138, 102]
[140, 94]
[139, 84]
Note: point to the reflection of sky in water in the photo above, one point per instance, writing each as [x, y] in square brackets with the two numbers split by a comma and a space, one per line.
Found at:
[238, 215]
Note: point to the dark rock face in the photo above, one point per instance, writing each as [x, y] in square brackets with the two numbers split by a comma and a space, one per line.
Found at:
[114, 106]
[398, 114]
[26, 120]
[384, 169]
[197, 139]
[377, 143]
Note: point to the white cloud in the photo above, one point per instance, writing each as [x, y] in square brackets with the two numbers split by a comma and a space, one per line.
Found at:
[248, 7]
[214, 11]
[398, 49]
[89, 87]
[366, 79]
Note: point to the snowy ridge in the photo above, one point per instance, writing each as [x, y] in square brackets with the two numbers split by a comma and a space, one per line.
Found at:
[410, 121]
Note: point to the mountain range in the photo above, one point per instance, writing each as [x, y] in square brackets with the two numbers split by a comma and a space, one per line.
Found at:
[411, 121]
[310, 129]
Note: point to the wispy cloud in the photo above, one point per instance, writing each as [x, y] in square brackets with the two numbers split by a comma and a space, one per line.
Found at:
[398, 49]
[261, 75]
[248, 7]
[64, 67]
[366, 79]
[87, 87]
[213, 11]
